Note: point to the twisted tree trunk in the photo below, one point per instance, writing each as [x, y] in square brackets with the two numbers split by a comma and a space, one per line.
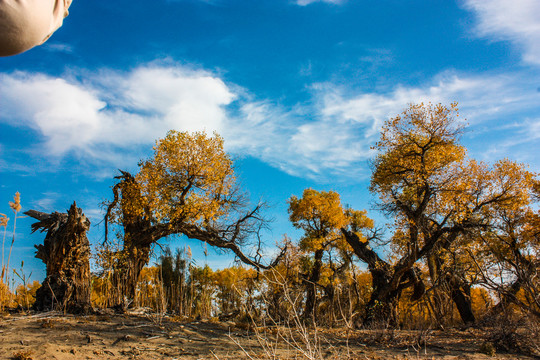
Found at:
[140, 233]
[461, 296]
[388, 282]
[66, 254]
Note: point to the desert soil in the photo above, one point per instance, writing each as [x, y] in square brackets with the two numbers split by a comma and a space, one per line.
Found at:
[107, 336]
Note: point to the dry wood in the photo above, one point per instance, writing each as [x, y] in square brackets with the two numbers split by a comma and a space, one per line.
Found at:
[66, 254]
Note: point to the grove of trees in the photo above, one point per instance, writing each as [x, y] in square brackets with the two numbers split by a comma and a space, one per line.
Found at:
[462, 242]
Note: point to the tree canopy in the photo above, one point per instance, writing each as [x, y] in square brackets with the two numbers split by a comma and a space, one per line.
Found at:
[189, 179]
[187, 187]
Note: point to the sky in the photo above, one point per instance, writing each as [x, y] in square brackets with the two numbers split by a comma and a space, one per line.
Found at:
[298, 90]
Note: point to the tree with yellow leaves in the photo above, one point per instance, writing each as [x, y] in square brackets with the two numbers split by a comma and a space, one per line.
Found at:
[507, 256]
[188, 187]
[434, 193]
[321, 216]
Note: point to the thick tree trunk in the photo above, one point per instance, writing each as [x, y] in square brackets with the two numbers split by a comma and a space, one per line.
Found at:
[387, 282]
[381, 308]
[275, 307]
[140, 233]
[461, 295]
[130, 262]
[311, 287]
[137, 243]
[66, 254]
[387, 289]
[437, 305]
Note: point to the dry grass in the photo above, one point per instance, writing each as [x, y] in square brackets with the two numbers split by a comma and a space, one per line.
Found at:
[126, 337]
[520, 335]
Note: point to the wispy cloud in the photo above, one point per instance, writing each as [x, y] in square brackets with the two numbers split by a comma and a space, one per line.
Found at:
[332, 138]
[527, 131]
[517, 21]
[106, 117]
[113, 110]
[47, 202]
[94, 214]
[480, 97]
[58, 47]
[307, 2]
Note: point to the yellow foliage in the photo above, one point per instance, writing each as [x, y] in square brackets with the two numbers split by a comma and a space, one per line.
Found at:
[190, 178]
[358, 220]
[481, 301]
[234, 284]
[423, 176]
[26, 295]
[321, 216]
[415, 147]
[5, 295]
[3, 220]
[236, 278]
[15, 205]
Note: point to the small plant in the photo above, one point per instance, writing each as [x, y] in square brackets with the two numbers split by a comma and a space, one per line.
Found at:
[160, 304]
[23, 290]
[47, 324]
[22, 355]
[303, 340]
[487, 348]
[6, 296]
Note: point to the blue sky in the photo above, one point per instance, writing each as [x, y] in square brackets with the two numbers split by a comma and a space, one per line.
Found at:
[298, 89]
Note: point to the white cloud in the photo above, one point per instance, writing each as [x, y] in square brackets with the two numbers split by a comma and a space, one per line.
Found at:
[307, 2]
[103, 118]
[94, 214]
[333, 138]
[65, 114]
[517, 21]
[348, 124]
[528, 131]
[58, 47]
[106, 118]
[185, 99]
[298, 141]
[479, 97]
[116, 110]
[533, 129]
[47, 202]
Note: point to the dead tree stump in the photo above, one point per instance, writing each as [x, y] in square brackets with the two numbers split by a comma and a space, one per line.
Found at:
[66, 254]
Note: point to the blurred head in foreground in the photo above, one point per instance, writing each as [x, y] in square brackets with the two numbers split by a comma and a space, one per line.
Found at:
[28, 23]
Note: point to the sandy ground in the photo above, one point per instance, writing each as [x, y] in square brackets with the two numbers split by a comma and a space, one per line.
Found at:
[56, 336]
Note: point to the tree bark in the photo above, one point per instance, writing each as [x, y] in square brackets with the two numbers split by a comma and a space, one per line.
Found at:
[456, 288]
[434, 267]
[140, 233]
[461, 295]
[387, 282]
[311, 287]
[130, 262]
[137, 242]
[66, 254]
